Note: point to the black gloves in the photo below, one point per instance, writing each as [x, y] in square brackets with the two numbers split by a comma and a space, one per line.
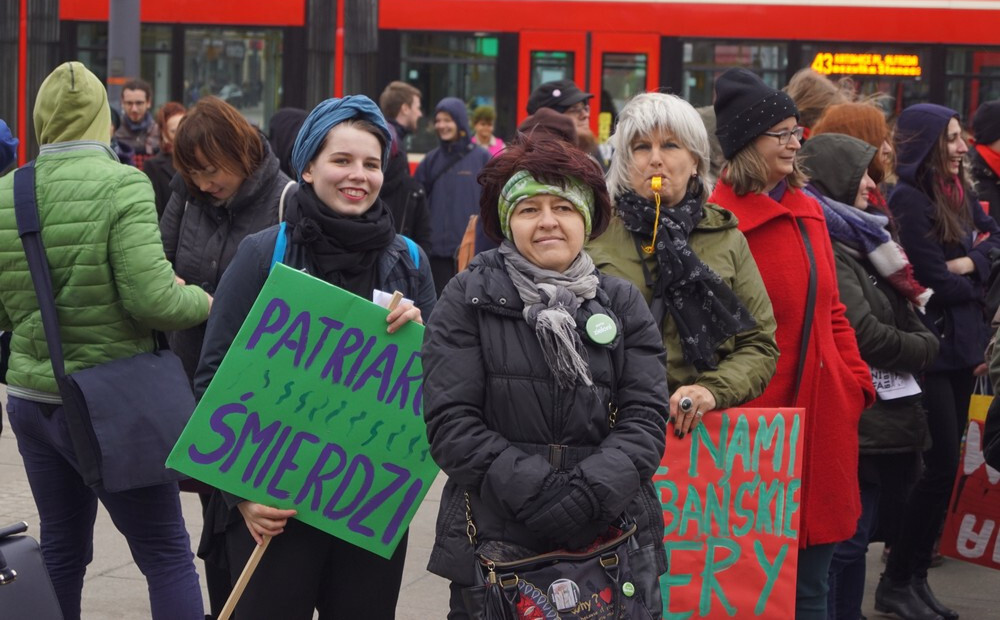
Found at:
[564, 511]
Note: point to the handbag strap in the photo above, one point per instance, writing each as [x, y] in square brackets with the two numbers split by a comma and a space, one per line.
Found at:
[29, 229]
[281, 201]
[810, 309]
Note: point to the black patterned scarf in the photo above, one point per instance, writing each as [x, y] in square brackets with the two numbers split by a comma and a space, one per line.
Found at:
[705, 309]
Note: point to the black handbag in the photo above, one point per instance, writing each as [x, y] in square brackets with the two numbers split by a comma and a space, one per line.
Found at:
[25, 588]
[596, 583]
[124, 416]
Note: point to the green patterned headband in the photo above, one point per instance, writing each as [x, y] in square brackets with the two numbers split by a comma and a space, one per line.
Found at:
[522, 185]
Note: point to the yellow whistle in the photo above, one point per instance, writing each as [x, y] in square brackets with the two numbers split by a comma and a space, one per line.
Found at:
[656, 183]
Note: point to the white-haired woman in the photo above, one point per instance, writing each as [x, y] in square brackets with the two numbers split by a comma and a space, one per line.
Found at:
[688, 258]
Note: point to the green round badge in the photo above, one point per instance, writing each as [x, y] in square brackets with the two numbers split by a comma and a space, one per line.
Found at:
[628, 589]
[601, 329]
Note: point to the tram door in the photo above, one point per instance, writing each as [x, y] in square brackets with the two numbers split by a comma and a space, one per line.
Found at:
[613, 66]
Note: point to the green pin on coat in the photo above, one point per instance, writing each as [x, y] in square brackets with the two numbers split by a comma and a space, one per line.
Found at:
[601, 329]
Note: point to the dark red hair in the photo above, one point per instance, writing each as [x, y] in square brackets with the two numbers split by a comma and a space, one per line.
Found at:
[549, 161]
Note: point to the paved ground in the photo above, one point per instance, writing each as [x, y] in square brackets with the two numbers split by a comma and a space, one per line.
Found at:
[114, 588]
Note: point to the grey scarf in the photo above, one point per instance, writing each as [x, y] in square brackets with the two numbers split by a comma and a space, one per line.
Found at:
[551, 300]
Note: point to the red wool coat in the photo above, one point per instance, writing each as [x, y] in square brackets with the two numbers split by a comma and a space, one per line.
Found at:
[836, 383]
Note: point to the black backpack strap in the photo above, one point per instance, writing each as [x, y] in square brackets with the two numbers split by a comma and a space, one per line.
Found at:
[810, 309]
[29, 229]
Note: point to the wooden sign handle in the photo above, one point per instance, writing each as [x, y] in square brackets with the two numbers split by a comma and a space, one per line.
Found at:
[241, 583]
[396, 298]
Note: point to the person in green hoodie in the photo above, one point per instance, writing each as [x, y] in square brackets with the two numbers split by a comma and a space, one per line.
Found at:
[112, 286]
[688, 258]
[881, 296]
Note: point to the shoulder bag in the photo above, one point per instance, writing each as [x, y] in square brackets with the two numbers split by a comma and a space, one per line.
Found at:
[124, 416]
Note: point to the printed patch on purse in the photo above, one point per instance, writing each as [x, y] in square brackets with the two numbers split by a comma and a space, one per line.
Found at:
[564, 594]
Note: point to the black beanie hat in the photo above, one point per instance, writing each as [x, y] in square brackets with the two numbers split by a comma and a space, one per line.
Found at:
[986, 123]
[746, 107]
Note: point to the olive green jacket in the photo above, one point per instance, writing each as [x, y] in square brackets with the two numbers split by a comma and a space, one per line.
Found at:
[747, 361]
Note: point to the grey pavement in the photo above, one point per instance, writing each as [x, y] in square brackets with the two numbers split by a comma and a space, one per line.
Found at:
[114, 588]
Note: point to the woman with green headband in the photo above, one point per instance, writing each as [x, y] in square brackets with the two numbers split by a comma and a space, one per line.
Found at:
[544, 381]
[689, 260]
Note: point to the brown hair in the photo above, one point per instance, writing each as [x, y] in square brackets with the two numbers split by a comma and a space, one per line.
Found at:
[747, 172]
[861, 120]
[137, 84]
[952, 219]
[223, 136]
[394, 96]
[167, 111]
[549, 161]
[813, 93]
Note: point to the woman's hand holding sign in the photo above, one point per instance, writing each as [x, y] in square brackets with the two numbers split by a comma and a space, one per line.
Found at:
[687, 405]
[263, 520]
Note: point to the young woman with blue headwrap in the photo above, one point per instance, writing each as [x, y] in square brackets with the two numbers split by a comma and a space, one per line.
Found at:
[337, 230]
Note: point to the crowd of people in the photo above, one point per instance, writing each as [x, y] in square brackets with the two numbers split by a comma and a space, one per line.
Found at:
[776, 250]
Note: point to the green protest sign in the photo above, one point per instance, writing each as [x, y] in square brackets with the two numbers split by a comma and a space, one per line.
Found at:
[316, 408]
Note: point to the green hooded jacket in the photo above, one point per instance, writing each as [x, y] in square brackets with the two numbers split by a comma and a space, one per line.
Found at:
[112, 283]
[747, 361]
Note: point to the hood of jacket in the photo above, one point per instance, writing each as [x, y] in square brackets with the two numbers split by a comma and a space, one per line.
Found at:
[917, 132]
[836, 164]
[455, 107]
[72, 104]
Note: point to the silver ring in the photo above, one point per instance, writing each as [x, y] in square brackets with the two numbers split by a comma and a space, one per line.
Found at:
[686, 403]
[698, 414]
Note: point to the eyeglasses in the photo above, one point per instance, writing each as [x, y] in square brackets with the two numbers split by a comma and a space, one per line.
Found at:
[784, 136]
[578, 109]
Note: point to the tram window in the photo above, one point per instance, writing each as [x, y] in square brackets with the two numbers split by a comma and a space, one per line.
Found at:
[973, 77]
[240, 66]
[704, 61]
[622, 77]
[447, 65]
[549, 67]
[154, 60]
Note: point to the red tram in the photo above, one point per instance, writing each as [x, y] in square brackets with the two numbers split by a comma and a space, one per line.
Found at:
[262, 55]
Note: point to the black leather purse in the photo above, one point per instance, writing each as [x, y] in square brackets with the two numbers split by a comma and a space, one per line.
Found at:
[25, 588]
[124, 416]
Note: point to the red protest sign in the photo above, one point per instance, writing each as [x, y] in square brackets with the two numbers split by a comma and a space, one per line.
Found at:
[730, 493]
[970, 527]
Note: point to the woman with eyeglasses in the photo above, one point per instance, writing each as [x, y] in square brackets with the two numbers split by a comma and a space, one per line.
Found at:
[688, 259]
[820, 368]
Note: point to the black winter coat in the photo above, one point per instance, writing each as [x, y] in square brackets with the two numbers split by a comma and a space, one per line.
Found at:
[986, 183]
[956, 313]
[200, 239]
[890, 337]
[160, 170]
[493, 410]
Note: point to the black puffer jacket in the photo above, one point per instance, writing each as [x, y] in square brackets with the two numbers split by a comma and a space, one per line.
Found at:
[493, 409]
[200, 239]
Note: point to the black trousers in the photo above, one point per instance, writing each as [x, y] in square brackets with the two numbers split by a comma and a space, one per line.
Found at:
[305, 569]
[946, 400]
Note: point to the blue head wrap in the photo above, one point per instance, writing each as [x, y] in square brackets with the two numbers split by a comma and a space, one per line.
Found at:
[8, 146]
[328, 115]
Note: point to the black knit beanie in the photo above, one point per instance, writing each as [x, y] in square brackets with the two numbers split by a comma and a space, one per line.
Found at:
[746, 107]
[986, 123]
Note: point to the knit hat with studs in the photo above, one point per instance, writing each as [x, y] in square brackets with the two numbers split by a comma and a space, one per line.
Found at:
[746, 107]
